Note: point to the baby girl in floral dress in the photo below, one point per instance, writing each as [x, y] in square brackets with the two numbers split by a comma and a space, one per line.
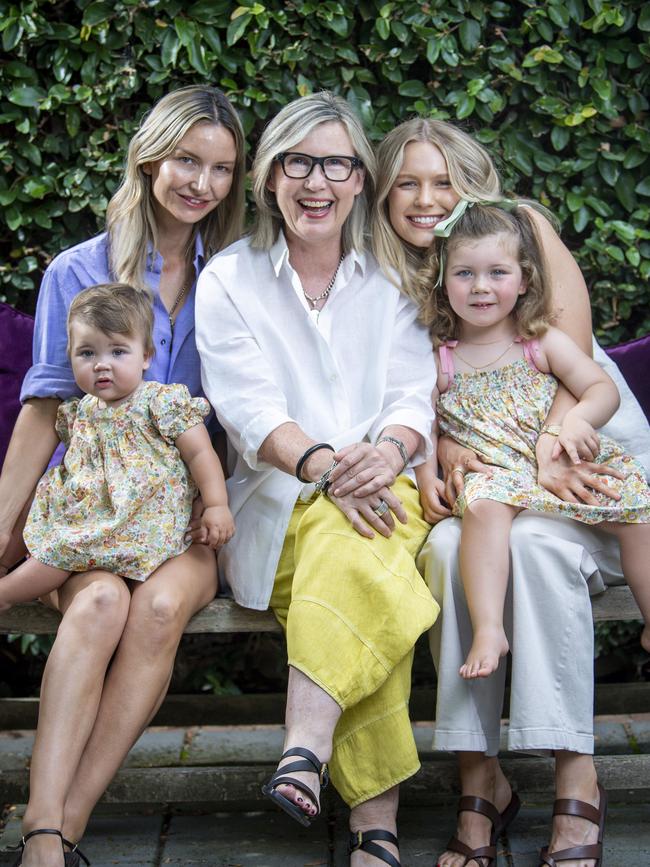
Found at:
[136, 453]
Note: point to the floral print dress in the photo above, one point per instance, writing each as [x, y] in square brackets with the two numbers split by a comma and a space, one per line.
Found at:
[121, 500]
[499, 414]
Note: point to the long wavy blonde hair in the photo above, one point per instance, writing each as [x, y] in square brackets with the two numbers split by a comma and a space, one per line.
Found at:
[130, 218]
[471, 173]
[532, 312]
[290, 125]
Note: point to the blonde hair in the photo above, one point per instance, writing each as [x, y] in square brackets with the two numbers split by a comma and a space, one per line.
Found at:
[295, 121]
[532, 312]
[471, 173]
[115, 308]
[130, 218]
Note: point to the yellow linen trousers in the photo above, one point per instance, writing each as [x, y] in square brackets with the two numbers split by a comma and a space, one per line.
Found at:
[352, 609]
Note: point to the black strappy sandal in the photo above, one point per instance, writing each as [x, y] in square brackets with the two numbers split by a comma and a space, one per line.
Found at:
[70, 859]
[364, 840]
[75, 856]
[309, 762]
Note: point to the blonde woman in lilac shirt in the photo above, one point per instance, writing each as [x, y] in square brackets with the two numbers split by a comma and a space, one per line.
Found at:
[181, 200]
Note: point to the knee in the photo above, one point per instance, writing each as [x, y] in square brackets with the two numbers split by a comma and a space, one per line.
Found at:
[163, 617]
[103, 605]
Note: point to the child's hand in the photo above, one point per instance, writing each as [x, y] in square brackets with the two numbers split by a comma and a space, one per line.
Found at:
[432, 495]
[218, 524]
[578, 439]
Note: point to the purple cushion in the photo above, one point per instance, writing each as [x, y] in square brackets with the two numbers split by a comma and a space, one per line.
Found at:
[633, 360]
[16, 331]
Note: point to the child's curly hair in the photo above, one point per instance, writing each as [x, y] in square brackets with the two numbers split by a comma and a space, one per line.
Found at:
[532, 312]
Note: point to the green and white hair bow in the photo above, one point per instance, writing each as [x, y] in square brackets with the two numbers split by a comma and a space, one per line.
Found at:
[445, 227]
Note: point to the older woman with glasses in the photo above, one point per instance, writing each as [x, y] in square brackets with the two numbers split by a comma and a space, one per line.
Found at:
[321, 377]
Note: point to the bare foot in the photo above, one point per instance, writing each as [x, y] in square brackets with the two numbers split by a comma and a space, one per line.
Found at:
[569, 831]
[488, 646]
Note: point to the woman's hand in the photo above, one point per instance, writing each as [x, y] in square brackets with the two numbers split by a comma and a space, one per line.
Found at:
[432, 498]
[573, 483]
[363, 469]
[362, 511]
[455, 461]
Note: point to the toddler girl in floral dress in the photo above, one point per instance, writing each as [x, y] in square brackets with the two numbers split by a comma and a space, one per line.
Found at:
[122, 498]
[499, 364]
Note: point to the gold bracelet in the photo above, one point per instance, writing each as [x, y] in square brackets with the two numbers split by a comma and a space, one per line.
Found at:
[551, 429]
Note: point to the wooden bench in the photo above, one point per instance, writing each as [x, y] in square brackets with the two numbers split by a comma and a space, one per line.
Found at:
[238, 784]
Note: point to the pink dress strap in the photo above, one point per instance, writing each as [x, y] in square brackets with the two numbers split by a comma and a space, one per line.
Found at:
[447, 359]
[531, 351]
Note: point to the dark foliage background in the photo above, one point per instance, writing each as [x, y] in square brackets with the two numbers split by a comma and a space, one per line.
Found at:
[555, 90]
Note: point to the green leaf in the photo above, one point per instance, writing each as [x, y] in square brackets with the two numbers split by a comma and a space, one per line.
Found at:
[12, 35]
[96, 13]
[465, 106]
[643, 22]
[574, 201]
[469, 34]
[643, 187]
[170, 47]
[433, 50]
[28, 97]
[412, 88]
[400, 31]
[560, 137]
[635, 157]
[236, 29]
[581, 219]
[186, 30]
[624, 189]
[383, 28]
[72, 120]
[615, 252]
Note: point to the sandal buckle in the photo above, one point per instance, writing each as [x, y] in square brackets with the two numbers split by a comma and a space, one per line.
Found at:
[356, 841]
[323, 776]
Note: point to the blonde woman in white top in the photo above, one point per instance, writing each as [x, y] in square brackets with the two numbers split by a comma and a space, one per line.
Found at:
[320, 375]
[425, 167]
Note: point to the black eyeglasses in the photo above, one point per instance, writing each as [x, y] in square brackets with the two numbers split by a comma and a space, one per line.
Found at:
[335, 168]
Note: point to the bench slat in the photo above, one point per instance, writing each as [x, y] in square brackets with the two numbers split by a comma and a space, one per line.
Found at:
[224, 615]
[221, 615]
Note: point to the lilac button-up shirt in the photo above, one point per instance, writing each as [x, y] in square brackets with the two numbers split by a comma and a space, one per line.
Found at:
[85, 265]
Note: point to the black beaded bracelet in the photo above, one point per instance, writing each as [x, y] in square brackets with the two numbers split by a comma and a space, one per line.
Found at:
[303, 460]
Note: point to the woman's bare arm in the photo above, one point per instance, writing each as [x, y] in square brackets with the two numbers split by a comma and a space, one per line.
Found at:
[32, 444]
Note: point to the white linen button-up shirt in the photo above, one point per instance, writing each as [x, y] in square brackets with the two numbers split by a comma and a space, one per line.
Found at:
[342, 374]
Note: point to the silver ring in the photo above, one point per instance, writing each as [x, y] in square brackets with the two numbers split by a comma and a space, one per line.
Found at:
[381, 509]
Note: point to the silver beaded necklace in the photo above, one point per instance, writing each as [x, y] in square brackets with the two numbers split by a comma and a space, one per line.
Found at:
[314, 300]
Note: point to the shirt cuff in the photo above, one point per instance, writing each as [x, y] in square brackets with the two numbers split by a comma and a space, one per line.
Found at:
[254, 434]
[49, 380]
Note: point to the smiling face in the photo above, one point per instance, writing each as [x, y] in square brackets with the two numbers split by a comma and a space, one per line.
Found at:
[314, 209]
[483, 280]
[189, 183]
[108, 366]
[422, 195]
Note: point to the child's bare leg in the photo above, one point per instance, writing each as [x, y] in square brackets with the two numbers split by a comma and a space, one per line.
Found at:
[29, 581]
[484, 567]
[634, 540]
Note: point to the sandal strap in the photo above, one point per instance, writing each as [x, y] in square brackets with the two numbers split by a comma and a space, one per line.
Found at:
[364, 840]
[474, 804]
[36, 832]
[575, 853]
[315, 765]
[482, 853]
[74, 847]
[581, 809]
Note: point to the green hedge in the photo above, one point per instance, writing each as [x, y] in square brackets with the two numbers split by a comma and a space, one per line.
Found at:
[555, 90]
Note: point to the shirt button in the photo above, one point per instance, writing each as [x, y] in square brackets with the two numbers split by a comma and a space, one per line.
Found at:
[333, 377]
[163, 341]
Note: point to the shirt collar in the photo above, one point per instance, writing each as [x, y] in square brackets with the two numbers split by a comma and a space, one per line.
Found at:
[279, 254]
